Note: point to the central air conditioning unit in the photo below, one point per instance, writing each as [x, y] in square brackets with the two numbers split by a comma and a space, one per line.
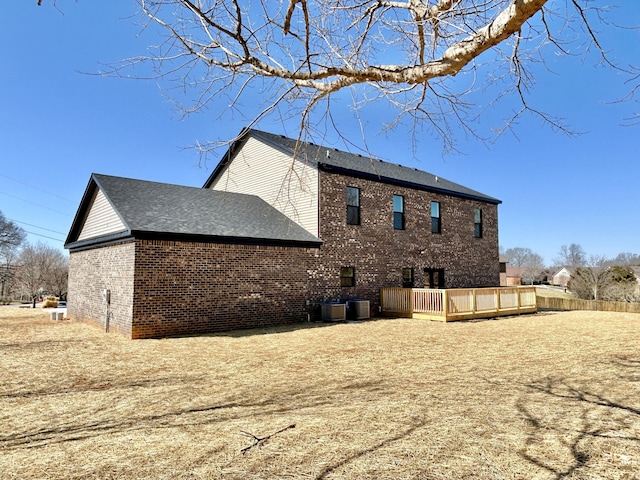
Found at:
[359, 309]
[333, 312]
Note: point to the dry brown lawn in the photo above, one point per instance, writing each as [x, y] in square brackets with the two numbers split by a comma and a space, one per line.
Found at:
[553, 292]
[545, 396]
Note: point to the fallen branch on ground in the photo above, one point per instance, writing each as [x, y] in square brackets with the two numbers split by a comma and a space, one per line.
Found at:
[262, 440]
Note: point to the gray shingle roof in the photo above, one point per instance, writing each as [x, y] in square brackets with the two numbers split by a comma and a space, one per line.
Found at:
[160, 208]
[332, 159]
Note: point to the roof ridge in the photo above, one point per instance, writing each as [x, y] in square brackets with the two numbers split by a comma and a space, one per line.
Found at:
[268, 134]
[148, 207]
[370, 167]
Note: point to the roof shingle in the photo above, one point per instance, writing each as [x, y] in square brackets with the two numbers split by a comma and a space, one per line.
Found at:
[161, 208]
[332, 159]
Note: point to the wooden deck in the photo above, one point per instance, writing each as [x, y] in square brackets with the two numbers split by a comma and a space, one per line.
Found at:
[448, 305]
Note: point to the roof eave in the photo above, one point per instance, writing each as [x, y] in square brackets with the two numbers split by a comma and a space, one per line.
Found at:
[228, 156]
[403, 183]
[194, 237]
[187, 237]
[74, 231]
[85, 203]
[99, 241]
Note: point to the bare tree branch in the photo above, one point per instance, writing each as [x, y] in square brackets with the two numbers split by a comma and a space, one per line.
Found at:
[410, 53]
[259, 441]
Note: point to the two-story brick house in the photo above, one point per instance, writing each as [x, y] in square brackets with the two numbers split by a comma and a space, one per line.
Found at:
[279, 227]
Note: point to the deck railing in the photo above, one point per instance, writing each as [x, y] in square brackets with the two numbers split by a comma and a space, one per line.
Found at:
[457, 304]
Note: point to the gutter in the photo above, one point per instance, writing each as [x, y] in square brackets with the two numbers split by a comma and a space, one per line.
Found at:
[403, 183]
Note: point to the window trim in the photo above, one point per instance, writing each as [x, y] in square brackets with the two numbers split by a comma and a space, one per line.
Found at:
[436, 221]
[398, 215]
[408, 283]
[353, 208]
[434, 278]
[477, 222]
[347, 277]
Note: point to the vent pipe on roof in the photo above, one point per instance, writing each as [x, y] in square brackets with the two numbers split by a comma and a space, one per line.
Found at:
[328, 156]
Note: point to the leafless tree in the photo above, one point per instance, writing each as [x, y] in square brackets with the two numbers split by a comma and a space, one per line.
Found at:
[530, 263]
[518, 256]
[572, 256]
[58, 276]
[627, 259]
[41, 269]
[11, 235]
[532, 268]
[8, 258]
[422, 57]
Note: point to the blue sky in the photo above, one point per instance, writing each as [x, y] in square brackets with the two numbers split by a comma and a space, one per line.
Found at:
[58, 125]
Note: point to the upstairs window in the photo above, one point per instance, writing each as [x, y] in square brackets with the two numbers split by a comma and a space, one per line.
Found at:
[353, 206]
[347, 277]
[436, 225]
[398, 212]
[477, 223]
[407, 278]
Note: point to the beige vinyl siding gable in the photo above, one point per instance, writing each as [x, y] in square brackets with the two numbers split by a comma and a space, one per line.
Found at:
[101, 220]
[290, 186]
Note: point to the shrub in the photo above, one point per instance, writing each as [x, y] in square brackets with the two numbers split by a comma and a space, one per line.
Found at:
[50, 302]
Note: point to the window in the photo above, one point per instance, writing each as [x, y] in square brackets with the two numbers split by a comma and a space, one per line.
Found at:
[407, 278]
[477, 223]
[436, 226]
[398, 212]
[347, 277]
[353, 206]
[434, 277]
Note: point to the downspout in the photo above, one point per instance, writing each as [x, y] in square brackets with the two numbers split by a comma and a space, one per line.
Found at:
[106, 296]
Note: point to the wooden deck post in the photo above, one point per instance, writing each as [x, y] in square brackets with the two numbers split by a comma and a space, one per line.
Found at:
[445, 305]
[411, 302]
[473, 300]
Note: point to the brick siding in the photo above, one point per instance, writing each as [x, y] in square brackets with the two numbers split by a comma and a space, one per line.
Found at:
[162, 288]
[90, 272]
[188, 287]
[378, 252]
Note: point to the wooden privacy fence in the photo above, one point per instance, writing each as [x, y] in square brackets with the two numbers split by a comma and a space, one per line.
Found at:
[457, 304]
[552, 303]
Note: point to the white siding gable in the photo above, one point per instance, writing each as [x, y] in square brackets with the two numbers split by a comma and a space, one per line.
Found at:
[289, 185]
[101, 220]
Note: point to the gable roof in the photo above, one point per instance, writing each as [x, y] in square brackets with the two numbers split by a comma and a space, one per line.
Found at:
[334, 160]
[161, 210]
[564, 271]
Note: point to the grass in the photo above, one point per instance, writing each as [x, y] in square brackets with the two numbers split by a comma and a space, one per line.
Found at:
[546, 396]
[553, 292]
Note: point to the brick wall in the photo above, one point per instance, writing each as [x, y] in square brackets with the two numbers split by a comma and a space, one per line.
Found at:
[186, 287]
[90, 272]
[190, 288]
[378, 252]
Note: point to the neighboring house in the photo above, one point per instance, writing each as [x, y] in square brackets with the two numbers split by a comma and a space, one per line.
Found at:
[278, 228]
[526, 276]
[562, 277]
[514, 276]
[503, 270]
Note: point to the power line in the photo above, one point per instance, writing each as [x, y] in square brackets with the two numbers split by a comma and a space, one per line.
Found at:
[45, 236]
[36, 204]
[37, 188]
[36, 226]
